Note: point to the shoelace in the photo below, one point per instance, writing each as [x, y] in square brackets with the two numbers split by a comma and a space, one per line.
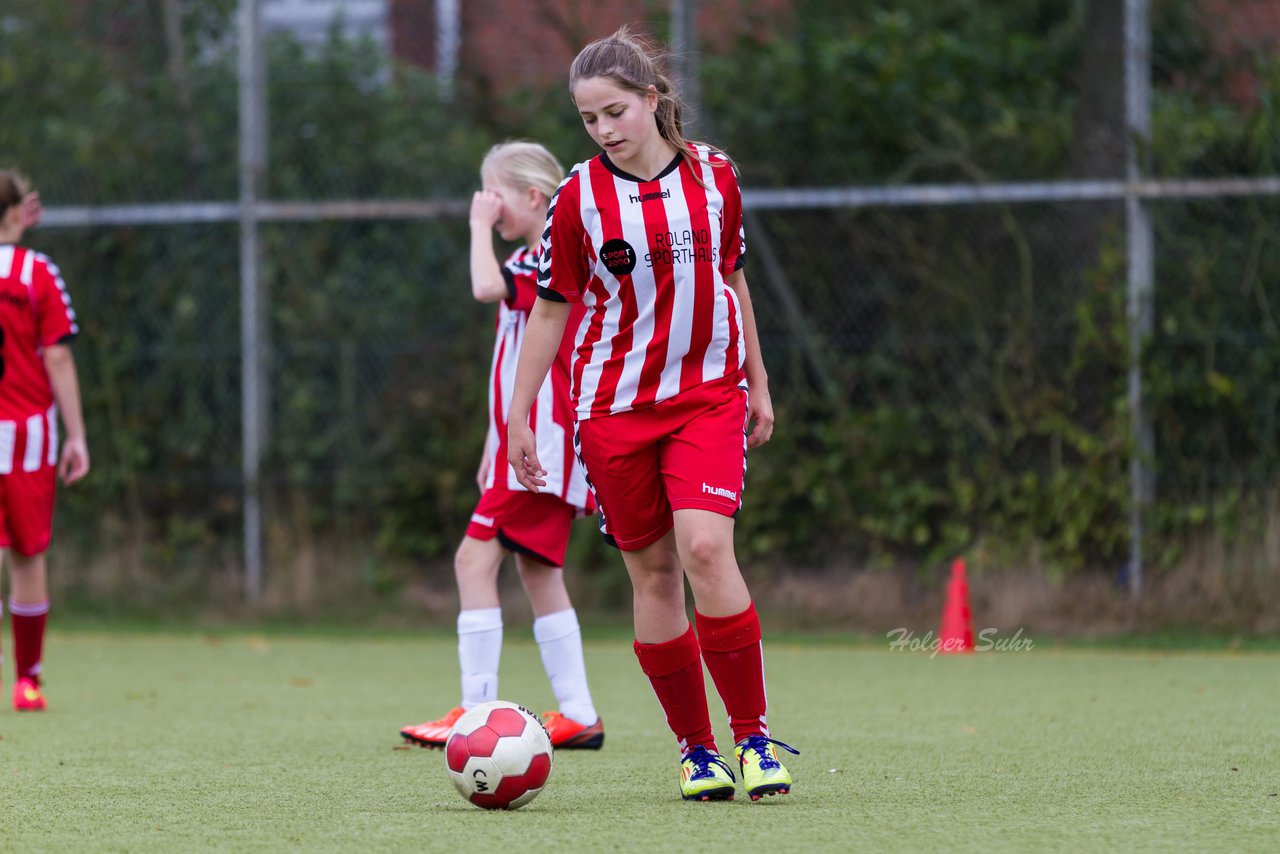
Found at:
[760, 744]
[702, 760]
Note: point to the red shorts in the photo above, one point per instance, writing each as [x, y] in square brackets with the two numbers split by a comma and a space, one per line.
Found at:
[686, 453]
[26, 509]
[533, 524]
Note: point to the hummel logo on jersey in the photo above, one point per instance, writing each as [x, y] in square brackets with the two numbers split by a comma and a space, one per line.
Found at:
[22, 301]
[648, 197]
[707, 489]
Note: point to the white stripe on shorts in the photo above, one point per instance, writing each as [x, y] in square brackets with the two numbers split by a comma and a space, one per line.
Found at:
[35, 443]
[52, 417]
[8, 437]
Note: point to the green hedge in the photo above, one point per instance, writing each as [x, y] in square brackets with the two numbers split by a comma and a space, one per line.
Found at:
[953, 380]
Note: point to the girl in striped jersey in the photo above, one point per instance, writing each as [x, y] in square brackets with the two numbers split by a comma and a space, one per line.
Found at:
[648, 236]
[519, 178]
[37, 370]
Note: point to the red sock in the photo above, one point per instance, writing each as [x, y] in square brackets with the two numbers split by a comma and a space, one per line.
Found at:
[731, 648]
[675, 672]
[28, 637]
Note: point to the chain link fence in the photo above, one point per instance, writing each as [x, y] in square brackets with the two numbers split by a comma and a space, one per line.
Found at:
[936, 213]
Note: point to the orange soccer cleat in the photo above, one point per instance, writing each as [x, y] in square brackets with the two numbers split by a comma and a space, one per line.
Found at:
[433, 733]
[568, 734]
[27, 696]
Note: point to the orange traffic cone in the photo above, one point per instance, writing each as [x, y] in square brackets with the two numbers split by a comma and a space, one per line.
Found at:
[955, 635]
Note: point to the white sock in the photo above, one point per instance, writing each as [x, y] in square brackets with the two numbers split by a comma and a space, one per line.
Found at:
[479, 648]
[560, 642]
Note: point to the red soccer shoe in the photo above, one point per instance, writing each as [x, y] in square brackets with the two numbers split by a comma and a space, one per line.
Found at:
[433, 734]
[27, 696]
[568, 734]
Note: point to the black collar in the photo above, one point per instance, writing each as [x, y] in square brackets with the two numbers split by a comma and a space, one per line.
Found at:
[627, 176]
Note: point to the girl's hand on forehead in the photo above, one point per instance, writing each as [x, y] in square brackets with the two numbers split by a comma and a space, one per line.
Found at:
[32, 210]
[486, 208]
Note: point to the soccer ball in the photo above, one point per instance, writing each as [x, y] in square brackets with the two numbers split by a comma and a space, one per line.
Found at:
[498, 755]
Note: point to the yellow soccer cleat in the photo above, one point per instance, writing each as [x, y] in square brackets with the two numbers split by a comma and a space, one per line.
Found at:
[762, 773]
[705, 776]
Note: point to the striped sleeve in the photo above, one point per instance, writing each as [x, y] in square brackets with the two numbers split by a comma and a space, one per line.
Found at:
[733, 238]
[563, 273]
[521, 274]
[55, 318]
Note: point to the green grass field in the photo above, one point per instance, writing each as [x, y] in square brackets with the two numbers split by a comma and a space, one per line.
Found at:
[288, 742]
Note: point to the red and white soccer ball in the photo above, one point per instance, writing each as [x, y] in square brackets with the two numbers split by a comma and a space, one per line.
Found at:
[498, 755]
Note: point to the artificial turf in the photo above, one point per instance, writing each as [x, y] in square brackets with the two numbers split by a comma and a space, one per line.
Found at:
[242, 742]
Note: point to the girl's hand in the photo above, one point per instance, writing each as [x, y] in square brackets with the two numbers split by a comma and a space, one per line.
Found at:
[32, 210]
[486, 208]
[760, 409]
[483, 473]
[522, 453]
[74, 463]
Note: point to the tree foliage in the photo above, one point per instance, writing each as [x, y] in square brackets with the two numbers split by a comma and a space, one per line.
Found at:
[978, 371]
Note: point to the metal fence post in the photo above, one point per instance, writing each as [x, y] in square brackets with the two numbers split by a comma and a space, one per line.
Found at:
[448, 40]
[1140, 239]
[684, 52]
[255, 389]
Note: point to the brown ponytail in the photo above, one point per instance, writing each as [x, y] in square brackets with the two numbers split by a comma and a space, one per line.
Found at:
[13, 189]
[635, 64]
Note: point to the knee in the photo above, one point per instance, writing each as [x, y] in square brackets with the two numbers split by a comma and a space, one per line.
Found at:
[468, 562]
[26, 564]
[706, 551]
[657, 588]
[657, 582]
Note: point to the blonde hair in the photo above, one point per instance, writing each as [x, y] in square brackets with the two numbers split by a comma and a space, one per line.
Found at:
[14, 186]
[635, 64]
[521, 164]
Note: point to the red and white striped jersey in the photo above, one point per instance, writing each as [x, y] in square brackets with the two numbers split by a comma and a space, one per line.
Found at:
[552, 414]
[35, 312]
[648, 259]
